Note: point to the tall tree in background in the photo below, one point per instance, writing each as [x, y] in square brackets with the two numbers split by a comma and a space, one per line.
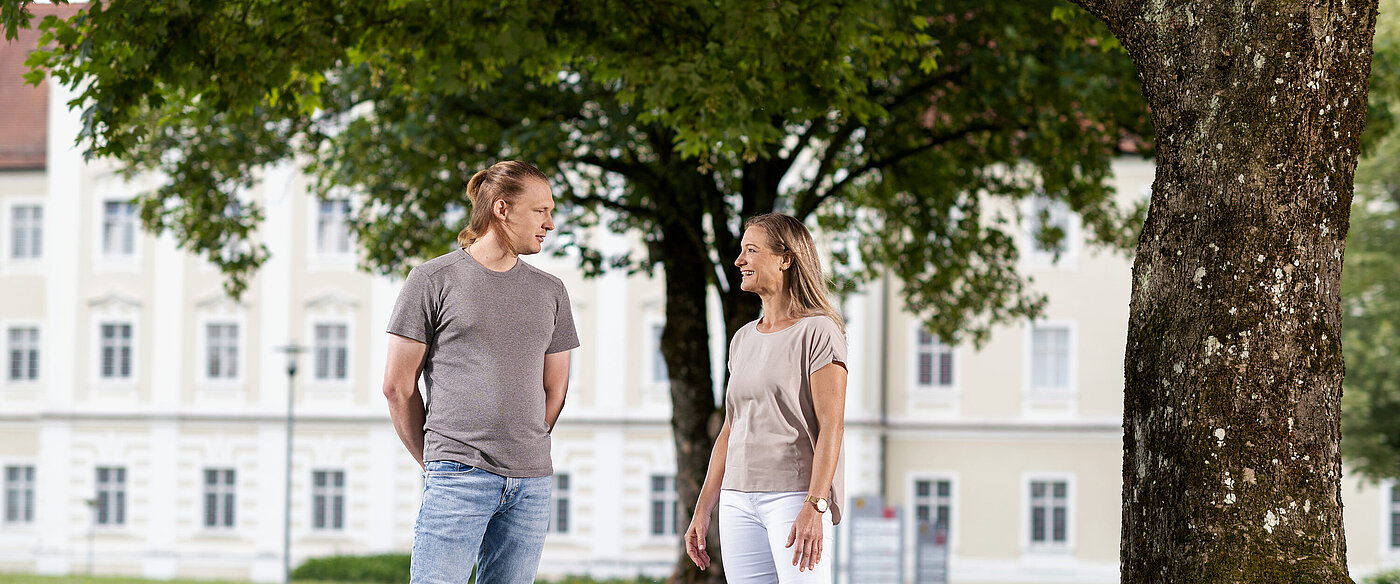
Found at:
[1371, 333]
[1371, 281]
[1231, 470]
[894, 124]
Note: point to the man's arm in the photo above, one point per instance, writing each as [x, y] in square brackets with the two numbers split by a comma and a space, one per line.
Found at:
[556, 384]
[401, 388]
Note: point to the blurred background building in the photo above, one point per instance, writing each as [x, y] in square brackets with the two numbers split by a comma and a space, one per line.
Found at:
[143, 411]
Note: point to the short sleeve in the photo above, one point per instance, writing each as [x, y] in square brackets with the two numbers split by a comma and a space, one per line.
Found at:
[733, 344]
[565, 335]
[825, 344]
[416, 311]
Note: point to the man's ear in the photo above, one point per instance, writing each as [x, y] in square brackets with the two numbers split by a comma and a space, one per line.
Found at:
[498, 209]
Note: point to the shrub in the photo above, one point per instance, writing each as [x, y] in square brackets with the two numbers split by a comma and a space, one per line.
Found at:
[384, 569]
[1391, 577]
[393, 569]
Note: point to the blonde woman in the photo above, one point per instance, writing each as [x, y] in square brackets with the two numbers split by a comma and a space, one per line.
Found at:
[775, 472]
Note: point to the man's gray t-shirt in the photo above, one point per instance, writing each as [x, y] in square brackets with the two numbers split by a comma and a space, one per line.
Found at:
[487, 334]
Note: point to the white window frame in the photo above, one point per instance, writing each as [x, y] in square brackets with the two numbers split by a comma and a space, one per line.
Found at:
[110, 261]
[651, 351]
[240, 349]
[318, 259]
[1048, 548]
[225, 498]
[122, 495]
[1386, 545]
[330, 492]
[30, 264]
[1037, 259]
[1038, 400]
[26, 488]
[128, 380]
[1390, 511]
[331, 382]
[934, 478]
[5, 361]
[672, 496]
[114, 309]
[331, 308]
[561, 497]
[911, 525]
[915, 350]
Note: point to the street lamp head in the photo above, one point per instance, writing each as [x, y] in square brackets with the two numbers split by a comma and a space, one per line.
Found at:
[292, 349]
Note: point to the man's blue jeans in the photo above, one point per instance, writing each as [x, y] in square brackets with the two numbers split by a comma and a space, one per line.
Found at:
[467, 510]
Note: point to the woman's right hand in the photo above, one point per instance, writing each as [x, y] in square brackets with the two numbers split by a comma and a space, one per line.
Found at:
[695, 539]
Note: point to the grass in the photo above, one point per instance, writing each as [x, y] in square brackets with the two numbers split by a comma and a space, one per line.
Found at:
[33, 579]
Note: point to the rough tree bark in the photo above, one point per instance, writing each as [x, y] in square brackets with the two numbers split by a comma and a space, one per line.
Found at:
[1231, 470]
[685, 198]
[685, 344]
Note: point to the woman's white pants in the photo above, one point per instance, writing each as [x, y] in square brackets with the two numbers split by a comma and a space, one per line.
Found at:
[753, 535]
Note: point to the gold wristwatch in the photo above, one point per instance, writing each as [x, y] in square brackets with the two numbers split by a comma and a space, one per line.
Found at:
[818, 504]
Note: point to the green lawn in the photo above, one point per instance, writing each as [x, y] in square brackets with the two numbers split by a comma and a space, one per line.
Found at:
[32, 579]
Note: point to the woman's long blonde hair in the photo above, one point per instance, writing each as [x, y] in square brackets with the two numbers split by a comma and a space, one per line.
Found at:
[503, 180]
[803, 281]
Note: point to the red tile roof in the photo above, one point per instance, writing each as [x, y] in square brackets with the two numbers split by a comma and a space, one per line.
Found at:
[24, 109]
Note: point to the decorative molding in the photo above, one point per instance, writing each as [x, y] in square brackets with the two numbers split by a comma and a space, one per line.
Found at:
[115, 303]
[332, 303]
[220, 304]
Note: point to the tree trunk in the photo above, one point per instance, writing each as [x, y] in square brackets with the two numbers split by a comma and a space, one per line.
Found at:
[1231, 468]
[685, 344]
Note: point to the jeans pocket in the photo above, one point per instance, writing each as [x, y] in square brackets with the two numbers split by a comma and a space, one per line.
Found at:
[446, 468]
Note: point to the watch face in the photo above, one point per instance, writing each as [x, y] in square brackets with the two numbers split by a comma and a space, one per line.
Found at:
[821, 505]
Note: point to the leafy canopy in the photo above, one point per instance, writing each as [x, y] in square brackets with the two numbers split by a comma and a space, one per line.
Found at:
[890, 121]
[1371, 277]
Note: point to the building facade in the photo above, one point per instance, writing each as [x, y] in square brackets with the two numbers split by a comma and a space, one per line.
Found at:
[143, 413]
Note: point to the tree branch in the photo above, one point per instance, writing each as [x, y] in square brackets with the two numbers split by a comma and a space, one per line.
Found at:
[1099, 8]
[811, 205]
[784, 164]
[809, 199]
[920, 88]
[634, 210]
[632, 170]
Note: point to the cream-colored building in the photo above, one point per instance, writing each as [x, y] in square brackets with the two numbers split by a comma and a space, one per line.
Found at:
[143, 412]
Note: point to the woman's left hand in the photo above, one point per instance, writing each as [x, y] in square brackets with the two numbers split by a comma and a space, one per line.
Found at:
[806, 538]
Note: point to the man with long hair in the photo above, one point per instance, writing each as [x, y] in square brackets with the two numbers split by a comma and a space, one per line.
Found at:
[480, 326]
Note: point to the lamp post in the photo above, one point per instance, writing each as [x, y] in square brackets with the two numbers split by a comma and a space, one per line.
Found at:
[92, 531]
[292, 350]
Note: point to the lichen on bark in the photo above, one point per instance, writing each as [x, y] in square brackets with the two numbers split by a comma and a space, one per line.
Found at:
[1233, 368]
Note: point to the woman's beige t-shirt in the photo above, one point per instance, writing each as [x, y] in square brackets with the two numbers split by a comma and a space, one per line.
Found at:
[773, 427]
